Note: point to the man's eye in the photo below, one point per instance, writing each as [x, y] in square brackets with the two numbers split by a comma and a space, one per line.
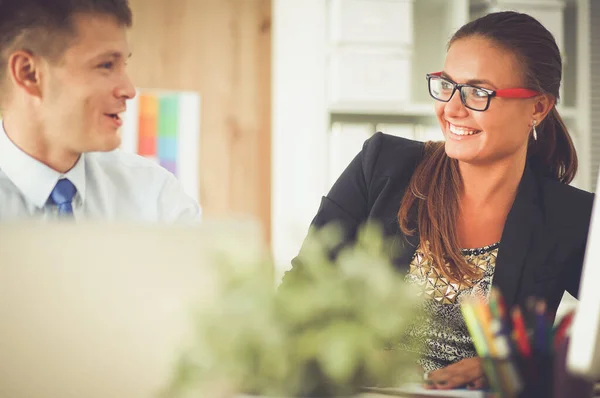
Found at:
[106, 65]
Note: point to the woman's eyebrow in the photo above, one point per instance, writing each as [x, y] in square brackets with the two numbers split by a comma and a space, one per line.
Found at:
[472, 81]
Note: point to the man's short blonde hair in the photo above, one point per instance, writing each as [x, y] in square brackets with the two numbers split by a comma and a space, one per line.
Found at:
[46, 27]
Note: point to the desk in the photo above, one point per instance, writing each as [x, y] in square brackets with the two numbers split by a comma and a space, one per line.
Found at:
[438, 394]
[419, 393]
[382, 393]
[376, 395]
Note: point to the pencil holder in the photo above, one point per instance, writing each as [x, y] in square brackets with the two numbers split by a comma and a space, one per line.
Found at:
[504, 376]
[520, 377]
[542, 375]
[567, 385]
[537, 375]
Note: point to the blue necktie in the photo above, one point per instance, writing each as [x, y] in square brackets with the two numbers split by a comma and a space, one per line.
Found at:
[62, 195]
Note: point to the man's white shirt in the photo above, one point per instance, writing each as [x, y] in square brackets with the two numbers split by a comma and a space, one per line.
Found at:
[110, 186]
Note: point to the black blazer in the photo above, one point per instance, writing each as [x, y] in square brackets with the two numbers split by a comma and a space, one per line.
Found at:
[543, 242]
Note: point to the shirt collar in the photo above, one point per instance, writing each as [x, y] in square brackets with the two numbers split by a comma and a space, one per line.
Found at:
[33, 178]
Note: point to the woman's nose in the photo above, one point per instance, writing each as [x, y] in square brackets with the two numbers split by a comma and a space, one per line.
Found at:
[455, 108]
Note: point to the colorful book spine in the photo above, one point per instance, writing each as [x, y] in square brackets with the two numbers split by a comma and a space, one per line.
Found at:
[168, 125]
[148, 125]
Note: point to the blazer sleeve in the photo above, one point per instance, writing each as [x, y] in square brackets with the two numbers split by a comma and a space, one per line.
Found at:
[570, 212]
[574, 277]
[584, 212]
[347, 203]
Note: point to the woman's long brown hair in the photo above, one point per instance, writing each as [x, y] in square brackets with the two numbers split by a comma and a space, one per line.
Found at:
[436, 184]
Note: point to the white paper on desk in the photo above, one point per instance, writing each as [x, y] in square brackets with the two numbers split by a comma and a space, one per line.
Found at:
[416, 388]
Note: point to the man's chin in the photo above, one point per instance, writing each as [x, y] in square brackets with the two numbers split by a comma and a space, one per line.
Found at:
[107, 145]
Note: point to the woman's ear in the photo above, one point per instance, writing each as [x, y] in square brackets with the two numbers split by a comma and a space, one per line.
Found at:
[542, 106]
[25, 70]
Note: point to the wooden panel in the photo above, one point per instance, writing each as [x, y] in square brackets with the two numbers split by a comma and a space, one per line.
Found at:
[221, 49]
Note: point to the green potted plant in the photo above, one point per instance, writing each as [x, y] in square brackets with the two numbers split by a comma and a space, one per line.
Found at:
[327, 332]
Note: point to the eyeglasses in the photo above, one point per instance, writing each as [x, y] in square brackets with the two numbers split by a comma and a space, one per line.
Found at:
[473, 97]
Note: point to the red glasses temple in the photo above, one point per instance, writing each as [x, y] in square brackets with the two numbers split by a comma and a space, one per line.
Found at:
[508, 92]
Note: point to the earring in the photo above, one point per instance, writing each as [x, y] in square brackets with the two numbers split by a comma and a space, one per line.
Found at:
[534, 132]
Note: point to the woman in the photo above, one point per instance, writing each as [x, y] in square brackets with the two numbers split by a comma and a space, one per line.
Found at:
[489, 206]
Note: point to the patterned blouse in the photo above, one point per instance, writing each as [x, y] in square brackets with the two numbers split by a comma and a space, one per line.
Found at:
[440, 331]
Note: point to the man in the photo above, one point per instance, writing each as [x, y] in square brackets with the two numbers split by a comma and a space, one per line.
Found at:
[63, 89]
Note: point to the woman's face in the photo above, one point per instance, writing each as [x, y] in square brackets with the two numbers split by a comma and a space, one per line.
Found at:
[499, 133]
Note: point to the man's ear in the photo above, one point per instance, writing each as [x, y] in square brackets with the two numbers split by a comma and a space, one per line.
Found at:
[25, 70]
[542, 106]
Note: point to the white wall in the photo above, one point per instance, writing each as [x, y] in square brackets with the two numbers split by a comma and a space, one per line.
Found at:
[300, 121]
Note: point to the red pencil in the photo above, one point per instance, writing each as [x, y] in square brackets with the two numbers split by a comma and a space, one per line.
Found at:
[561, 329]
[520, 333]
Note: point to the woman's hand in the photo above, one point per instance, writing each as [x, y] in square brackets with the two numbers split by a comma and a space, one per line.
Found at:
[468, 372]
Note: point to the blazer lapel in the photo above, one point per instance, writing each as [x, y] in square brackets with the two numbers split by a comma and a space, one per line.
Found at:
[516, 238]
[404, 246]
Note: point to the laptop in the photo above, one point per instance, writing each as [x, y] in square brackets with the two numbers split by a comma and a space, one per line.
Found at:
[103, 310]
[583, 357]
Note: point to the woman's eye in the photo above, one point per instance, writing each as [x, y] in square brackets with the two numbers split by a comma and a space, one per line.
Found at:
[480, 94]
[106, 65]
[446, 85]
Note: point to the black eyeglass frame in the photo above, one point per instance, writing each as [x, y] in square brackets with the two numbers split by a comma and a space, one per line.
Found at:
[504, 93]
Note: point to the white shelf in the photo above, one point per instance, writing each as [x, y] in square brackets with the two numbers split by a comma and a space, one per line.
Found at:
[408, 109]
[387, 109]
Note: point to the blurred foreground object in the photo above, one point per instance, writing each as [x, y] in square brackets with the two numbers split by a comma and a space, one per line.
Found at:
[325, 333]
[102, 310]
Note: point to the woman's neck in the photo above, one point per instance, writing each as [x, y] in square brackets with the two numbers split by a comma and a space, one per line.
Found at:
[491, 185]
[486, 199]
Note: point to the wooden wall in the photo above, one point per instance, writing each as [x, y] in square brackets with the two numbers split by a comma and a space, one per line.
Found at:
[221, 49]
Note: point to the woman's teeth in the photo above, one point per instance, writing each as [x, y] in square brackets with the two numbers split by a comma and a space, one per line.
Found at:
[462, 131]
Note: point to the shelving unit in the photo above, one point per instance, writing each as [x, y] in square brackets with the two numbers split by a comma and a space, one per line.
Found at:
[400, 65]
